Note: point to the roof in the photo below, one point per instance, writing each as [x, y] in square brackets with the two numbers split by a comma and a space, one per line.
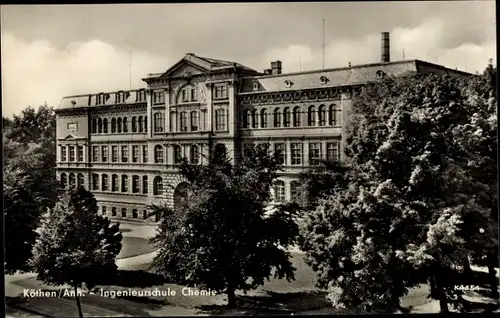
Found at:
[89, 100]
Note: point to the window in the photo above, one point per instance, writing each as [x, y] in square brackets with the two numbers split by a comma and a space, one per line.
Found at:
[220, 91]
[99, 125]
[194, 154]
[194, 121]
[158, 122]
[247, 118]
[277, 117]
[296, 151]
[158, 186]
[184, 95]
[64, 155]
[144, 214]
[296, 117]
[80, 154]
[135, 184]
[247, 149]
[220, 149]
[134, 214]
[72, 153]
[113, 211]
[280, 147]
[124, 183]
[193, 94]
[124, 153]
[135, 153]
[322, 115]
[64, 180]
[79, 180]
[255, 119]
[113, 125]
[105, 126]
[263, 118]
[125, 125]
[104, 153]
[295, 191]
[95, 153]
[103, 210]
[158, 154]
[286, 117]
[146, 123]
[119, 125]
[144, 184]
[158, 97]
[104, 182]
[139, 121]
[332, 151]
[124, 212]
[279, 191]
[72, 181]
[311, 116]
[134, 124]
[183, 122]
[220, 120]
[114, 153]
[177, 154]
[114, 183]
[314, 153]
[334, 114]
[95, 182]
[94, 126]
[145, 154]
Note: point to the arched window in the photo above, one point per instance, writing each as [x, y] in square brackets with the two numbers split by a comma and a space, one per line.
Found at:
[263, 118]
[64, 180]
[311, 116]
[334, 114]
[183, 121]
[181, 195]
[134, 124]
[158, 154]
[158, 122]
[277, 117]
[279, 191]
[79, 180]
[296, 116]
[194, 154]
[95, 182]
[104, 182]
[124, 183]
[119, 125]
[114, 183]
[139, 120]
[94, 126]
[113, 125]
[255, 119]
[145, 123]
[177, 154]
[194, 121]
[105, 126]
[247, 118]
[72, 181]
[286, 117]
[158, 186]
[124, 212]
[125, 125]
[322, 115]
[99, 125]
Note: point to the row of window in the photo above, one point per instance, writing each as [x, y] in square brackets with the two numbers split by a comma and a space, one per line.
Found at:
[279, 191]
[124, 213]
[315, 154]
[117, 184]
[189, 121]
[293, 118]
[119, 125]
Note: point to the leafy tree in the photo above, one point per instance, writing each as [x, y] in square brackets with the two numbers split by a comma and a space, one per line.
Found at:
[76, 246]
[222, 238]
[399, 219]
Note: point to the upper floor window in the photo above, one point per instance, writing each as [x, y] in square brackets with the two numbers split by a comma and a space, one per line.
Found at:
[104, 153]
[158, 154]
[139, 122]
[113, 125]
[124, 183]
[72, 153]
[144, 184]
[286, 117]
[135, 184]
[332, 151]
[314, 153]
[296, 117]
[114, 183]
[64, 155]
[79, 180]
[334, 113]
[158, 122]
[194, 121]
[99, 125]
[255, 119]
[114, 153]
[135, 153]
[105, 126]
[95, 153]
[125, 125]
[322, 115]
[296, 153]
[145, 154]
[263, 118]
[184, 94]
[72, 181]
[194, 154]
[220, 91]
[193, 94]
[277, 117]
[220, 120]
[119, 125]
[177, 154]
[183, 122]
[124, 153]
[157, 186]
[311, 116]
[95, 182]
[158, 97]
[104, 182]
[247, 118]
[280, 147]
[64, 180]
[134, 124]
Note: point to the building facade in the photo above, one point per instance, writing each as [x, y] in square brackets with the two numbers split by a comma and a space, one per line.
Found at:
[125, 146]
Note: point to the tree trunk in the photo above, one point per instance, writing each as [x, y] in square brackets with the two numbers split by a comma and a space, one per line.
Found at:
[467, 269]
[432, 285]
[231, 297]
[492, 277]
[440, 293]
[78, 305]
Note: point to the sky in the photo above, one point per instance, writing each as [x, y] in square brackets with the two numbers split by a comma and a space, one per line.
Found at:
[52, 51]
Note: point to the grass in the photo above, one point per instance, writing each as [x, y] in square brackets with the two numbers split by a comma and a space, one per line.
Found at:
[133, 246]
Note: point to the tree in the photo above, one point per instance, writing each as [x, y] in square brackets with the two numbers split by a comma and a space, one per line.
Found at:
[76, 245]
[222, 239]
[400, 217]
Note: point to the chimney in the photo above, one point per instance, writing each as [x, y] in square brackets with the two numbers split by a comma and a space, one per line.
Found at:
[276, 67]
[385, 49]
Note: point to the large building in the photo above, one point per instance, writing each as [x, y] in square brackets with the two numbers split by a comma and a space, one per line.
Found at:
[124, 146]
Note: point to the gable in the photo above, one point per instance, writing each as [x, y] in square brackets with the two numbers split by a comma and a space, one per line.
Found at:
[183, 68]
